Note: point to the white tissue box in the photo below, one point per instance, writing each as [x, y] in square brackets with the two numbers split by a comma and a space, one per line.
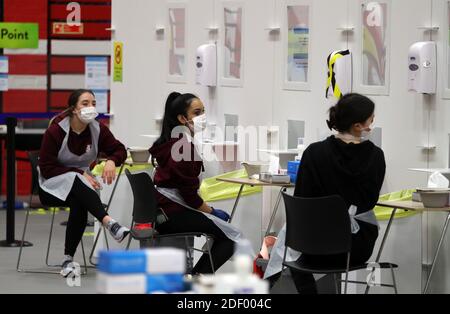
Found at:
[150, 261]
[166, 261]
[121, 284]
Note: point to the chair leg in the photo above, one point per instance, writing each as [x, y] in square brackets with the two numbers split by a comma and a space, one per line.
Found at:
[208, 247]
[50, 240]
[129, 242]
[23, 238]
[393, 279]
[106, 238]
[37, 271]
[337, 284]
[94, 246]
[346, 273]
[130, 237]
[84, 257]
[190, 262]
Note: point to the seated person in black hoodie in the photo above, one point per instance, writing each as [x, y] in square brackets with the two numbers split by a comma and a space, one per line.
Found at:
[349, 165]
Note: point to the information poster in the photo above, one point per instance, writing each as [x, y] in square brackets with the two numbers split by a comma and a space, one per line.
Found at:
[96, 77]
[177, 42]
[374, 22]
[298, 43]
[101, 99]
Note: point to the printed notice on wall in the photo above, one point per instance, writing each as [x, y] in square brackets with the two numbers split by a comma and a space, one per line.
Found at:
[96, 77]
[4, 66]
[233, 42]
[298, 43]
[118, 62]
[177, 44]
[3, 82]
[374, 17]
[101, 99]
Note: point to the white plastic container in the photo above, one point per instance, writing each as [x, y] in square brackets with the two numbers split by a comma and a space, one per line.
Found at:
[434, 197]
[139, 154]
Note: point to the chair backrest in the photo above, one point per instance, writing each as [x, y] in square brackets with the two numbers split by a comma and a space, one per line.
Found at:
[317, 226]
[33, 156]
[145, 204]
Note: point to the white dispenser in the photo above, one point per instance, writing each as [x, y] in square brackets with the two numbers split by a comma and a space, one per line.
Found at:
[206, 65]
[422, 67]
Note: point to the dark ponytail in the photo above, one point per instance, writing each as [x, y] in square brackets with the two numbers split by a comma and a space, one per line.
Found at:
[350, 109]
[332, 122]
[176, 104]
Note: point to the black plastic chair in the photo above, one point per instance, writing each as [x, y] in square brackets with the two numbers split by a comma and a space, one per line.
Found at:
[321, 226]
[146, 210]
[33, 158]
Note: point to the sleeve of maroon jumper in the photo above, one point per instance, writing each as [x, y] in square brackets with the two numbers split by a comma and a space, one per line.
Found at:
[185, 174]
[110, 146]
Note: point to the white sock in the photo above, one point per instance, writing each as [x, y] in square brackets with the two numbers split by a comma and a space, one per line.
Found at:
[67, 258]
[110, 223]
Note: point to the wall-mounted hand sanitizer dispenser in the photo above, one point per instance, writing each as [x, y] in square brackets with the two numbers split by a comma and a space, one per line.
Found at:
[422, 67]
[206, 65]
[339, 83]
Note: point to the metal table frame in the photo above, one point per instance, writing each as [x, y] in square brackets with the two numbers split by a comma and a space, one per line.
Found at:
[252, 183]
[395, 206]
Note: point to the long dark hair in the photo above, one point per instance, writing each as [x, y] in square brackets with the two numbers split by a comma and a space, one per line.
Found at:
[73, 99]
[350, 109]
[176, 104]
[72, 103]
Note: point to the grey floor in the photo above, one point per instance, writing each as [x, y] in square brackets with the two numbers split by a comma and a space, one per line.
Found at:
[33, 257]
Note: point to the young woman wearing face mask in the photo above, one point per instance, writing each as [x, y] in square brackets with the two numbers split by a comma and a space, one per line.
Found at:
[70, 145]
[350, 165]
[177, 181]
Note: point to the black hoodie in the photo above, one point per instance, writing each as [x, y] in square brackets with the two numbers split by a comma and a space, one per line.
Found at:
[353, 171]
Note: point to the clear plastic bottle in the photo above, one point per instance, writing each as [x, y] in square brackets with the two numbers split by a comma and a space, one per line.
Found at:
[246, 282]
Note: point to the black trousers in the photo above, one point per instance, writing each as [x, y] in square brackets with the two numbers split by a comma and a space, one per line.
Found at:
[191, 221]
[363, 243]
[81, 200]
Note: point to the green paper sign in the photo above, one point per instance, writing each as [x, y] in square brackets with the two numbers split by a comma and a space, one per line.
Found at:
[118, 62]
[19, 35]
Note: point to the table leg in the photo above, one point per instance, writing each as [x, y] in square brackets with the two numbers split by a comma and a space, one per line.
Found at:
[441, 240]
[380, 250]
[274, 212]
[236, 203]
[114, 187]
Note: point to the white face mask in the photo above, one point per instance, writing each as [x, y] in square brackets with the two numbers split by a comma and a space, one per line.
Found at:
[87, 114]
[199, 123]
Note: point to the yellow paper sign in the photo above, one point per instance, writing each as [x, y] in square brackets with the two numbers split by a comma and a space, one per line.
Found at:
[118, 61]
